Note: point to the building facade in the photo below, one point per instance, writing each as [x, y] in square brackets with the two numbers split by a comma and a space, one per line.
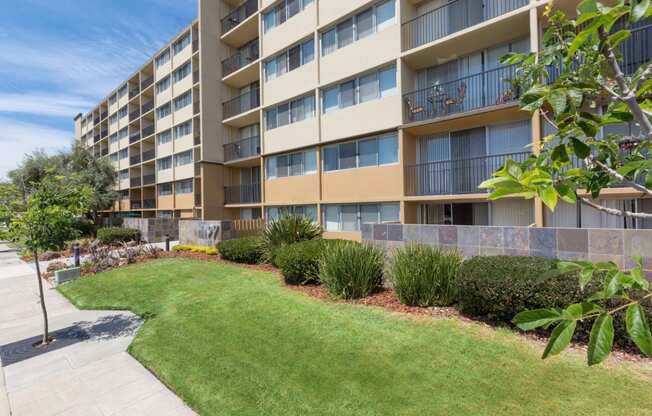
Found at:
[351, 112]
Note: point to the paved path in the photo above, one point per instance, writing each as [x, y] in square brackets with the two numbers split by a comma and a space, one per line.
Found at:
[86, 372]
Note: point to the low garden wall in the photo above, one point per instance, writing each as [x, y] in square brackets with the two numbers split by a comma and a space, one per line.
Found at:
[562, 243]
[154, 230]
[204, 233]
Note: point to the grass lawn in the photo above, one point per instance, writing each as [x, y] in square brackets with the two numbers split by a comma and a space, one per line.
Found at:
[234, 341]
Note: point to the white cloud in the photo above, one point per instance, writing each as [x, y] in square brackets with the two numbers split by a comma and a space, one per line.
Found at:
[18, 138]
[56, 105]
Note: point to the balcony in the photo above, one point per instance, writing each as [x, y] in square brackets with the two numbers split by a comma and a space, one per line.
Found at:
[105, 152]
[148, 131]
[242, 194]
[453, 17]
[96, 120]
[147, 82]
[474, 92]
[239, 15]
[149, 179]
[452, 177]
[134, 182]
[105, 133]
[196, 108]
[133, 116]
[133, 93]
[149, 155]
[195, 77]
[104, 115]
[134, 137]
[242, 104]
[147, 107]
[136, 205]
[242, 149]
[240, 59]
[134, 160]
[195, 45]
[96, 138]
[149, 203]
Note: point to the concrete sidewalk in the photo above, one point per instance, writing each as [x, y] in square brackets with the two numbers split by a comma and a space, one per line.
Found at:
[87, 371]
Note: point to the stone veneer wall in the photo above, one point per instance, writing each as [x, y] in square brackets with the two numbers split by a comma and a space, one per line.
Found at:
[154, 230]
[562, 243]
[204, 233]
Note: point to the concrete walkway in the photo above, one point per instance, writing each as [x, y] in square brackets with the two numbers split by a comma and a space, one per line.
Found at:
[85, 372]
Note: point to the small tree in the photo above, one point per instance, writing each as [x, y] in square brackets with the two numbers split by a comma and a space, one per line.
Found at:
[49, 220]
[578, 71]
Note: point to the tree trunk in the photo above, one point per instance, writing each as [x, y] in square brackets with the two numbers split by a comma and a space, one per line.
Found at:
[46, 335]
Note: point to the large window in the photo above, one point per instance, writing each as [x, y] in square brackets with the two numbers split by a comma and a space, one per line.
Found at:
[181, 44]
[123, 174]
[357, 27]
[290, 59]
[183, 129]
[113, 157]
[124, 132]
[163, 58]
[113, 119]
[183, 187]
[183, 158]
[183, 100]
[182, 72]
[123, 112]
[367, 87]
[164, 110]
[165, 189]
[164, 137]
[282, 12]
[274, 213]
[123, 90]
[163, 85]
[351, 217]
[113, 99]
[124, 153]
[370, 151]
[290, 112]
[292, 164]
[113, 139]
[164, 163]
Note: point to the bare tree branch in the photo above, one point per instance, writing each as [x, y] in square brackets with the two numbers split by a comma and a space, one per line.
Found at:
[614, 211]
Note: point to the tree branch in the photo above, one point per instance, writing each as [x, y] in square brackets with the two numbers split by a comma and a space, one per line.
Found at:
[614, 211]
[621, 178]
[644, 76]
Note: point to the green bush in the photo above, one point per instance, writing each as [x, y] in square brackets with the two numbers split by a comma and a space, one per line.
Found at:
[351, 270]
[497, 288]
[196, 249]
[424, 275]
[288, 229]
[299, 262]
[241, 250]
[112, 235]
[85, 227]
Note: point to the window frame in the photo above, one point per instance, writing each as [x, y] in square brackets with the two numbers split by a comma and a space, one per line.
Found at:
[356, 89]
[379, 208]
[272, 164]
[285, 56]
[282, 9]
[309, 112]
[377, 138]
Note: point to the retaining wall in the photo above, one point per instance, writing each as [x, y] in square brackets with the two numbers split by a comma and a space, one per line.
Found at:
[154, 230]
[204, 233]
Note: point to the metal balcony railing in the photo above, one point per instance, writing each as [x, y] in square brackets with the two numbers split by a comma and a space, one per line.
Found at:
[242, 194]
[148, 131]
[473, 92]
[105, 114]
[245, 55]
[105, 133]
[239, 15]
[147, 82]
[149, 155]
[149, 203]
[452, 17]
[134, 137]
[135, 182]
[134, 115]
[134, 160]
[135, 205]
[149, 179]
[238, 105]
[147, 107]
[452, 177]
[242, 149]
[133, 92]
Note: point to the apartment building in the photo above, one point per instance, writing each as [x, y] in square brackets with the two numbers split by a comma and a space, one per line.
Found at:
[351, 112]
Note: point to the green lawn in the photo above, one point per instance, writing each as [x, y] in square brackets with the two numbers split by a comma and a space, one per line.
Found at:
[233, 341]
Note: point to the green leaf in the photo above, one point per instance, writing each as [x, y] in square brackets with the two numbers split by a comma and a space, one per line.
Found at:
[580, 310]
[639, 10]
[648, 180]
[587, 6]
[613, 284]
[601, 339]
[585, 277]
[557, 100]
[575, 97]
[528, 320]
[549, 197]
[559, 154]
[619, 37]
[581, 149]
[638, 328]
[560, 338]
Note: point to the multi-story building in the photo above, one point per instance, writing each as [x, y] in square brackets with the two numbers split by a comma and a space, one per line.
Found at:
[351, 112]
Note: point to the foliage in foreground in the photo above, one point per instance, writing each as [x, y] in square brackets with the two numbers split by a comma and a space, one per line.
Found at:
[241, 250]
[351, 270]
[115, 235]
[424, 276]
[288, 229]
[299, 262]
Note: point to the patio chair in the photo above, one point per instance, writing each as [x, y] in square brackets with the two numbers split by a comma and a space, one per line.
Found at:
[413, 109]
[461, 95]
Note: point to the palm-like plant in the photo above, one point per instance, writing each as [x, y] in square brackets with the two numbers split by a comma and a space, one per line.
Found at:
[288, 229]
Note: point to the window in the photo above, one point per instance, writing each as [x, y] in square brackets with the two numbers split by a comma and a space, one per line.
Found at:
[291, 112]
[183, 129]
[163, 85]
[358, 27]
[164, 164]
[183, 187]
[123, 174]
[274, 213]
[182, 72]
[183, 158]
[123, 112]
[284, 10]
[164, 137]
[165, 189]
[290, 59]
[351, 217]
[124, 153]
[163, 58]
[113, 99]
[293, 164]
[113, 119]
[368, 87]
[113, 139]
[164, 110]
[113, 157]
[124, 132]
[121, 92]
[124, 194]
[371, 151]
[183, 100]
[181, 44]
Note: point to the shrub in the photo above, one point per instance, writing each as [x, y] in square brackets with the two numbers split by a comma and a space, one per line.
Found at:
[196, 249]
[299, 262]
[113, 235]
[85, 227]
[424, 275]
[288, 229]
[351, 270]
[241, 250]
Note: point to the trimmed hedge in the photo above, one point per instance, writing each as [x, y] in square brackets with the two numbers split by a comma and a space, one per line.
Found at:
[196, 249]
[299, 262]
[112, 235]
[497, 288]
[351, 270]
[241, 250]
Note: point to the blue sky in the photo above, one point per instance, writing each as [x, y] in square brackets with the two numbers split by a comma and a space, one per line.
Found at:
[60, 57]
